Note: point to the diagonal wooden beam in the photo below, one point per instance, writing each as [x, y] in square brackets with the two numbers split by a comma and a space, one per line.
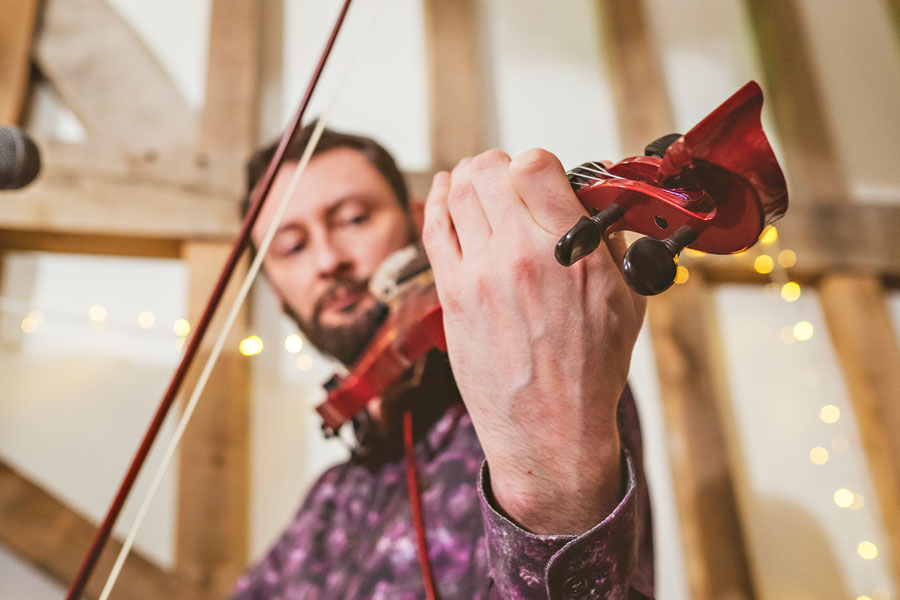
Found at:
[108, 78]
[16, 28]
[52, 537]
[815, 172]
[683, 328]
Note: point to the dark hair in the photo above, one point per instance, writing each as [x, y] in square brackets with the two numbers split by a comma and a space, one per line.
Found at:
[374, 152]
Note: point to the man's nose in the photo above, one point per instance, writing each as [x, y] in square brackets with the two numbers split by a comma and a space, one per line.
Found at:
[331, 260]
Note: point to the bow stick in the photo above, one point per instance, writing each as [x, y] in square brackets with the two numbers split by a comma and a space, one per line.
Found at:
[258, 196]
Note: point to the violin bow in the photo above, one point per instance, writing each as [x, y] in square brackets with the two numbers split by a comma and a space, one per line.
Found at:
[258, 196]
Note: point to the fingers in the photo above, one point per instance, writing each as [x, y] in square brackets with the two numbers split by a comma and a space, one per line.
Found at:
[499, 200]
[469, 221]
[540, 180]
[438, 235]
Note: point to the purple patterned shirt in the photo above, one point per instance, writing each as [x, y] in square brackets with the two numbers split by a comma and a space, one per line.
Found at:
[353, 536]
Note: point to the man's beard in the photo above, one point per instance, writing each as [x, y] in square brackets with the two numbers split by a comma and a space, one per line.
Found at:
[347, 342]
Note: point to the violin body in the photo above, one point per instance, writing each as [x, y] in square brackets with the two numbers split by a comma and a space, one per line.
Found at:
[713, 189]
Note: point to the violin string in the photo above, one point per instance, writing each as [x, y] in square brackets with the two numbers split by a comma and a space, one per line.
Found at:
[233, 312]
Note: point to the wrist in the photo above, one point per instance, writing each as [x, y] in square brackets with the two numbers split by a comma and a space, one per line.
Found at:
[561, 496]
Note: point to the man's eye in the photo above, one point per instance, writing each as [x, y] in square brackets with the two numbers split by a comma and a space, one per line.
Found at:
[357, 219]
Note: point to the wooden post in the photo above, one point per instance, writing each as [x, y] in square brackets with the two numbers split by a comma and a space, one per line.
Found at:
[683, 329]
[16, 27]
[815, 173]
[212, 538]
[454, 74]
[213, 510]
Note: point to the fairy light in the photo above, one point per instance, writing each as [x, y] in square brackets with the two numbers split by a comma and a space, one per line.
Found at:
[803, 330]
[682, 274]
[818, 455]
[97, 313]
[763, 264]
[293, 343]
[829, 414]
[145, 319]
[769, 235]
[790, 291]
[304, 362]
[843, 498]
[251, 346]
[787, 259]
[181, 327]
[867, 550]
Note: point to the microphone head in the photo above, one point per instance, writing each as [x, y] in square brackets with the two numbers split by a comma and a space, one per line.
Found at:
[20, 160]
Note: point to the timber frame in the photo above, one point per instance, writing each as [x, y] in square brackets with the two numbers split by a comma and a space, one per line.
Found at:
[171, 189]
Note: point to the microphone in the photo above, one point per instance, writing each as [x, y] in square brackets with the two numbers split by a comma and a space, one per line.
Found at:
[20, 160]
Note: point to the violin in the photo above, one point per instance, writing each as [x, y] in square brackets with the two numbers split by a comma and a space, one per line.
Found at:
[712, 189]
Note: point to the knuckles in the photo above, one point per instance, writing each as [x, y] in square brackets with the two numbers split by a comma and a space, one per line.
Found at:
[533, 162]
[489, 159]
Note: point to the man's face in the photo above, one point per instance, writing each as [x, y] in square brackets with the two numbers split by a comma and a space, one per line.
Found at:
[342, 221]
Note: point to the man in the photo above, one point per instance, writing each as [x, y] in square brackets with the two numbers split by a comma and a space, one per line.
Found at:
[539, 354]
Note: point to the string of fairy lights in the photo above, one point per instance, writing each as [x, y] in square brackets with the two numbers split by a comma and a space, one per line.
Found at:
[775, 262]
[771, 260]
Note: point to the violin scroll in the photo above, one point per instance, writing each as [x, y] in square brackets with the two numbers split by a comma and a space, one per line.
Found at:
[713, 189]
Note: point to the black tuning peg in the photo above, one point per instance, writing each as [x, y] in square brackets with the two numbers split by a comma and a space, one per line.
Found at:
[586, 235]
[649, 265]
[658, 147]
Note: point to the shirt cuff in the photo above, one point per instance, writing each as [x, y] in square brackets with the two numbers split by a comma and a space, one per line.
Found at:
[595, 564]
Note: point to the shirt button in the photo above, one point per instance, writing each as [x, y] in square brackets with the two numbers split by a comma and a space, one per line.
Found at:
[575, 586]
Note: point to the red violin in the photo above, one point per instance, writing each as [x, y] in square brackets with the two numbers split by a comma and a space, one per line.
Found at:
[713, 189]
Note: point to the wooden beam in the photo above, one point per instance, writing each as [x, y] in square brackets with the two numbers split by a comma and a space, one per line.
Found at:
[455, 80]
[683, 329]
[213, 498]
[827, 238]
[52, 538]
[109, 245]
[229, 119]
[107, 77]
[696, 406]
[861, 329]
[16, 28]
[211, 543]
[815, 171]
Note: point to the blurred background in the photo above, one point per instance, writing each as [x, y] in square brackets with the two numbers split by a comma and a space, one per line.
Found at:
[768, 381]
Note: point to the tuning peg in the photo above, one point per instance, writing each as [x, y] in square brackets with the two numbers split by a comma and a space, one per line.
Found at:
[649, 265]
[658, 147]
[586, 235]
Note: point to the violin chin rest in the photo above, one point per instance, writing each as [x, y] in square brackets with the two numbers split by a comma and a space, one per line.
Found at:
[649, 266]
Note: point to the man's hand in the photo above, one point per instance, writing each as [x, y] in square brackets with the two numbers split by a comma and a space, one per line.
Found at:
[540, 352]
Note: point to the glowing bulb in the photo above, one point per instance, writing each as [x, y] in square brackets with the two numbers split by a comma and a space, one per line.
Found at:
[787, 258]
[763, 264]
[30, 324]
[769, 235]
[251, 346]
[293, 343]
[830, 413]
[97, 313]
[863, 598]
[867, 550]
[146, 319]
[843, 497]
[790, 291]
[681, 274]
[181, 328]
[304, 362]
[818, 455]
[803, 330]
